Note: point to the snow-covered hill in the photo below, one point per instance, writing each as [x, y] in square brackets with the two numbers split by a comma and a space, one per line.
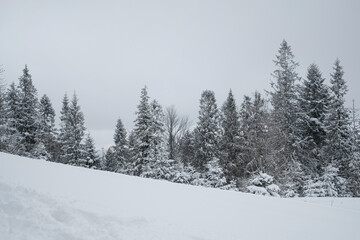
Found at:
[42, 200]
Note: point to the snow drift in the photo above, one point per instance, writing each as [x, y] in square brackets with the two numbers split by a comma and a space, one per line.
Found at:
[44, 200]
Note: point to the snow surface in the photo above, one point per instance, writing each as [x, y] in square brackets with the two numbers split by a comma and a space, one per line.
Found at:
[43, 200]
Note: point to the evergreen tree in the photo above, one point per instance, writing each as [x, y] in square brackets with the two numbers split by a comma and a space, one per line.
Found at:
[207, 132]
[71, 131]
[340, 146]
[13, 137]
[90, 158]
[47, 129]
[285, 127]
[142, 134]
[314, 102]
[120, 149]
[65, 133]
[111, 163]
[355, 162]
[3, 120]
[230, 139]
[254, 133]
[28, 107]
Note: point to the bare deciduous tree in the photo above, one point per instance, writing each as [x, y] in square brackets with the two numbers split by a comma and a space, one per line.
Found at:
[176, 127]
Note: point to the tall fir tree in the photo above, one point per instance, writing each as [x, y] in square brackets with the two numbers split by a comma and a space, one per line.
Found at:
[340, 146]
[207, 133]
[120, 148]
[90, 158]
[3, 132]
[47, 129]
[65, 134]
[142, 134]
[71, 131]
[285, 127]
[254, 118]
[29, 115]
[13, 138]
[314, 103]
[230, 139]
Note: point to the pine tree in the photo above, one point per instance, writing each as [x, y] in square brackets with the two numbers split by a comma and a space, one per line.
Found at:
[71, 131]
[207, 132]
[158, 166]
[64, 134]
[314, 102]
[28, 107]
[13, 138]
[285, 127]
[340, 146]
[254, 132]
[90, 158]
[47, 131]
[3, 118]
[355, 161]
[142, 134]
[230, 139]
[121, 148]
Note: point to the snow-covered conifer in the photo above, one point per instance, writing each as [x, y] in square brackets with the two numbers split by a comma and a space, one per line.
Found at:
[207, 132]
[339, 149]
[230, 138]
[314, 103]
[28, 112]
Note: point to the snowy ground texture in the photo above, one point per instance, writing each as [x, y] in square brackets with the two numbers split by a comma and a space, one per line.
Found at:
[43, 200]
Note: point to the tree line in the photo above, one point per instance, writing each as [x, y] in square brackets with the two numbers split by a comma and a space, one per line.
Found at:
[300, 141]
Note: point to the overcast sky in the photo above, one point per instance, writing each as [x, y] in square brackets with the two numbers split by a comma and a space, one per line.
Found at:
[107, 51]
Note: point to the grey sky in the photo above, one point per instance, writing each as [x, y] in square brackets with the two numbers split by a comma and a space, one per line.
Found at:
[107, 51]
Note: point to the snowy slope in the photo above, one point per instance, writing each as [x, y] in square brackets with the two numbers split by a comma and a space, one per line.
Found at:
[42, 200]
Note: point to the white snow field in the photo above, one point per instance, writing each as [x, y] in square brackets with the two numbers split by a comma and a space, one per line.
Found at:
[43, 200]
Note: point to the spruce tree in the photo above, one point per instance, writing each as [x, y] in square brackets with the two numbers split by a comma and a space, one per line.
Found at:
[121, 148]
[207, 132]
[77, 129]
[339, 150]
[14, 139]
[72, 132]
[90, 158]
[47, 131]
[3, 132]
[254, 132]
[314, 102]
[65, 133]
[230, 138]
[285, 133]
[142, 133]
[28, 107]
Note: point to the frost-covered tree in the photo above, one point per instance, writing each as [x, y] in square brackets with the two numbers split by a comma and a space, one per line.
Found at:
[13, 138]
[284, 117]
[142, 133]
[90, 158]
[339, 149]
[175, 127]
[230, 138]
[47, 131]
[64, 138]
[207, 132]
[314, 103]
[71, 131]
[187, 148]
[3, 118]
[354, 177]
[120, 156]
[28, 112]
[254, 118]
